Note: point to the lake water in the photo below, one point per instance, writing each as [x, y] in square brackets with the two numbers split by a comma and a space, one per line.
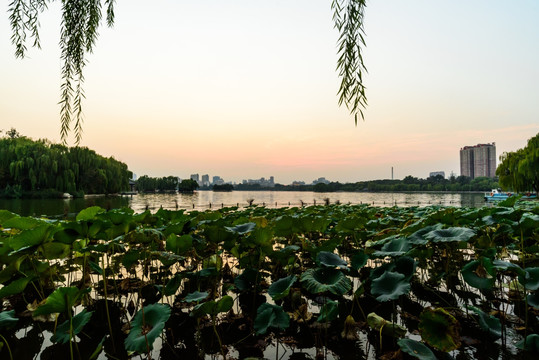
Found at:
[203, 200]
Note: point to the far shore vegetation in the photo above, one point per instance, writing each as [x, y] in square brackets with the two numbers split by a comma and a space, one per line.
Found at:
[41, 169]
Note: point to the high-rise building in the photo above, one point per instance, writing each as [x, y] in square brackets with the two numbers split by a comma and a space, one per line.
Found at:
[206, 180]
[478, 160]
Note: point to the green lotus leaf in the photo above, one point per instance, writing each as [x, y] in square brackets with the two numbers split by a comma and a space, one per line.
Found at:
[533, 300]
[147, 325]
[450, 234]
[405, 265]
[5, 216]
[179, 244]
[30, 237]
[325, 279]
[439, 329]
[531, 343]
[329, 259]
[196, 296]
[61, 300]
[416, 349]
[247, 279]
[479, 274]
[89, 213]
[269, 315]
[242, 229]
[529, 221]
[418, 237]
[212, 307]
[509, 202]
[395, 247]
[507, 266]
[55, 250]
[359, 260]
[22, 223]
[329, 311]
[7, 318]
[280, 288]
[530, 278]
[63, 333]
[172, 285]
[224, 304]
[488, 323]
[15, 287]
[388, 328]
[390, 286]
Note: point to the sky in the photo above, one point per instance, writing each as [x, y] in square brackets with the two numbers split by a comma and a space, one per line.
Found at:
[245, 89]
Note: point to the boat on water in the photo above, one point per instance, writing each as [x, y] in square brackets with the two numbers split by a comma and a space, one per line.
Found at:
[498, 195]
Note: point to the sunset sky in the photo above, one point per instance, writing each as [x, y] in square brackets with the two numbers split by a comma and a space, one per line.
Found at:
[248, 88]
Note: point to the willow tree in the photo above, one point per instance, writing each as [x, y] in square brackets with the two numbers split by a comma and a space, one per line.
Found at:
[81, 20]
[519, 170]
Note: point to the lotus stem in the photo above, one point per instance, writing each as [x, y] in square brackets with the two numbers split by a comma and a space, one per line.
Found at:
[107, 302]
[7, 345]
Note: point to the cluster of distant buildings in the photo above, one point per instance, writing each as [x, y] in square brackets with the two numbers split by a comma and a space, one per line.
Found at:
[204, 181]
[476, 161]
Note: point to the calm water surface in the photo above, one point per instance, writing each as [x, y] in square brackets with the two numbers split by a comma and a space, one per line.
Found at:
[203, 200]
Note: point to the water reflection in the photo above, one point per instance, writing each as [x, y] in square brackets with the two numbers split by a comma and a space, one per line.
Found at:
[203, 200]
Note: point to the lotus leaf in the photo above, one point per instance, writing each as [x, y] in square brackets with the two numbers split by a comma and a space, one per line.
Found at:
[242, 229]
[60, 301]
[147, 325]
[172, 285]
[450, 234]
[395, 247]
[359, 260]
[405, 265]
[213, 307]
[89, 213]
[269, 315]
[530, 278]
[329, 311]
[15, 287]
[416, 349]
[196, 296]
[533, 300]
[418, 237]
[531, 343]
[329, 259]
[63, 332]
[55, 250]
[529, 221]
[507, 266]
[439, 329]
[479, 274]
[246, 280]
[488, 323]
[280, 288]
[22, 223]
[7, 318]
[390, 286]
[5, 216]
[388, 328]
[30, 237]
[179, 244]
[325, 279]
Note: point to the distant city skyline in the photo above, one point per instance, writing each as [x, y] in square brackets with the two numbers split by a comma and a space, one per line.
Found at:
[247, 88]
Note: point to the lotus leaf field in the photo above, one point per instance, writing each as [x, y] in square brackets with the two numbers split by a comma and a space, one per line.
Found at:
[334, 281]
